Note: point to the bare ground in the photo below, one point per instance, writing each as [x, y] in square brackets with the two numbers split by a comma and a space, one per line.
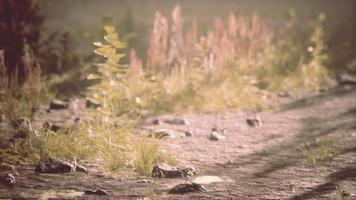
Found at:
[255, 163]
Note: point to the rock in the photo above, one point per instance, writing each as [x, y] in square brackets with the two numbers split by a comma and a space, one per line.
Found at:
[24, 123]
[187, 187]
[176, 121]
[7, 167]
[76, 120]
[145, 181]
[55, 166]
[58, 105]
[79, 168]
[188, 133]
[49, 126]
[91, 103]
[96, 192]
[216, 135]
[156, 122]
[284, 94]
[166, 171]
[21, 133]
[254, 122]
[7, 179]
[164, 133]
[346, 79]
[345, 194]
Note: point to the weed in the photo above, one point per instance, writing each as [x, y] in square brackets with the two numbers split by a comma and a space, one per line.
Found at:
[147, 153]
[320, 150]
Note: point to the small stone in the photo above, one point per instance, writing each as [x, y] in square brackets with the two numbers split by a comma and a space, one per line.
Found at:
[346, 79]
[156, 121]
[166, 171]
[253, 122]
[284, 94]
[187, 187]
[79, 168]
[176, 121]
[215, 136]
[145, 181]
[345, 194]
[91, 103]
[55, 166]
[7, 179]
[58, 105]
[21, 123]
[164, 133]
[188, 133]
[21, 133]
[49, 126]
[96, 192]
[76, 120]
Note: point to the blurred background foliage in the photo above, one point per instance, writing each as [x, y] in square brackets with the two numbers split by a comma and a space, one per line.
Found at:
[60, 34]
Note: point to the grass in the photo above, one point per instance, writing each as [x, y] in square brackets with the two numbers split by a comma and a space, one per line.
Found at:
[148, 152]
[321, 149]
[245, 81]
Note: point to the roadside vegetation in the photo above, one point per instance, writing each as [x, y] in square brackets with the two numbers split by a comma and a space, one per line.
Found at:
[239, 64]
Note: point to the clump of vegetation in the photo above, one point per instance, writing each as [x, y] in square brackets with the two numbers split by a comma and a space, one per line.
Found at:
[239, 64]
[106, 133]
[20, 100]
[147, 152]
[319, 150]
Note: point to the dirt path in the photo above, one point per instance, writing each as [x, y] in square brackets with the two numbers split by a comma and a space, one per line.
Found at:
[255, 163]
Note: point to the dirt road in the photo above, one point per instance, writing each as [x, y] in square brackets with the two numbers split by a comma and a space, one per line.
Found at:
[253, 162]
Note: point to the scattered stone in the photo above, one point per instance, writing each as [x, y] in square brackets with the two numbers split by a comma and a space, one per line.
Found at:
[176, 121]
[254, 122]
[55, 166]
[58, 105]
[216, 135]
[91, 103]
[7, 179]
[207, 179]
[7, 167]
[164, 133]
[76, 120]
[187, 187]
[156, 121]
[166, 171]
[21, 133]
[79, 168]
[145, 181]
[49, 126]
[345, 194]
[188, 133]
[21, 123]
[284, 94]
[96, 192]
[346, 79]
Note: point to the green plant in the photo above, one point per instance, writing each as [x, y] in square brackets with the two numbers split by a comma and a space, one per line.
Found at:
[320, 150]
[147, 152]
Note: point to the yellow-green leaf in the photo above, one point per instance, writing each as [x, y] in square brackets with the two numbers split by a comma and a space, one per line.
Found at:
[105, 51]
[109, 29]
